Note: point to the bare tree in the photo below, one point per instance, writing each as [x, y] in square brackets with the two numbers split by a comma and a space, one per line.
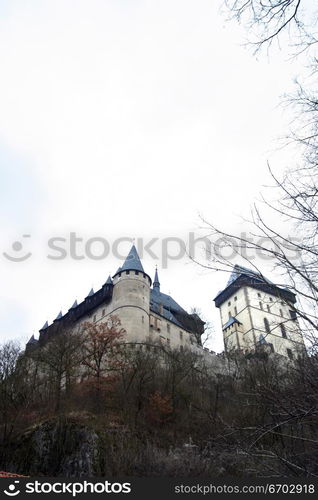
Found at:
[270, 20]
[9, 355]
[101, 356]
[17, 392]
[59, 362]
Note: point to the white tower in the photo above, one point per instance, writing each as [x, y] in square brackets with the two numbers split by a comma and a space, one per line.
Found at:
[255, 313]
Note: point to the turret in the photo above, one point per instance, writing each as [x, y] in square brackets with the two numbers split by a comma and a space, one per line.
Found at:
[131, 296]
[156, 283]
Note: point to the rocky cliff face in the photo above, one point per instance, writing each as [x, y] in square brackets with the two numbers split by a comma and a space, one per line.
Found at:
[68, 447]
[84, 447]
[58, 447]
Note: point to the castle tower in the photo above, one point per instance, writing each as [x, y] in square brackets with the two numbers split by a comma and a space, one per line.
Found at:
[256, 313]
[131, 297]
[156, 283]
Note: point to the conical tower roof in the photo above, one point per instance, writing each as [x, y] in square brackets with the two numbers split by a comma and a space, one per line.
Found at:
[32, 340]
[156, 282]
[132, 262]
[59, 316]
[44, 326]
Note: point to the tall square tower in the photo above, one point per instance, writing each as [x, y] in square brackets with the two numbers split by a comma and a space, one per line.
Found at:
[257, 313]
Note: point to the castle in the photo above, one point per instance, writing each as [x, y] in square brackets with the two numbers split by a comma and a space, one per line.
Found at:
[255, 313]
[147, 314]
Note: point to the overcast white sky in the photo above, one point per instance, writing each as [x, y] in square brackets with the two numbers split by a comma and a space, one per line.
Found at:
[126, 119]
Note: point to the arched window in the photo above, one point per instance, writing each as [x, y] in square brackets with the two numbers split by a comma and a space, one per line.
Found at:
[283, 330]
[266, 324]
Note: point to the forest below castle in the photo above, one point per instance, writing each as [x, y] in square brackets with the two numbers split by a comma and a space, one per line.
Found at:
[94, 405]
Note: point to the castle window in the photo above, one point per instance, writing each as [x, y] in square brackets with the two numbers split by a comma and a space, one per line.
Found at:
[229, 314]
[235, 310]
[266, 325]
[283, 330]
[260, 305]
[293, 314]
[119, 275]
[229, 303]
[235, 298]
[271, 347]
[258, 294]
[94, 319]
[271, 300]
[103, 313]
[168, 342]
[142, 319]
[268, 308]
[168, 327]
[181, 335]
[136, 272]
[290, 353]
[127, 272]
[281, 312]
[181, 348]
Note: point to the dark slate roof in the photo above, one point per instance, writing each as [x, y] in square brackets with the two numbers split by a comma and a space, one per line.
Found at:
[59, 316]
[109, 281]
[241, 276]
[32, 340]
[230, 322]
[132, 262]
[45, 326]
[168, 308]
[91, 293]
[240, 270]
[89, 304]
[166, 313]
[157, 297]
[156, 282]
[74, 305]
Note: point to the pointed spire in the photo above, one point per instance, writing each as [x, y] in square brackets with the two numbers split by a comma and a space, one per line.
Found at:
[74, 305]
[44, 326]
[59, 316]
[109, 281]
[90, 293]
[132, 262]
[32, 340]
[156, 283]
